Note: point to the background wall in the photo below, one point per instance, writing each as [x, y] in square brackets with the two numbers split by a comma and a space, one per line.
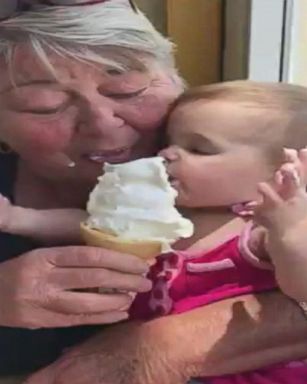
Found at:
[296, 44]
[263, 40]
[196, 26]
[156, 10]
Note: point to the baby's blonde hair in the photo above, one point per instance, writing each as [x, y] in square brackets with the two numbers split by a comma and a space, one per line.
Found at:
[277, 96]
[285, 104]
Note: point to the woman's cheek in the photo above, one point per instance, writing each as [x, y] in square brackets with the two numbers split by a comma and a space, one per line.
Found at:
[146, 113]
[41, 134]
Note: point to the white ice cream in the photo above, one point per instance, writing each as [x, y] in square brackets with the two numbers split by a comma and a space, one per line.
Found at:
[135, 201]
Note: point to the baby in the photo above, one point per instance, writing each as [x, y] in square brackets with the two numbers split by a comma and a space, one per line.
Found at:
[253, 121]
[225, 139]
[227, 162]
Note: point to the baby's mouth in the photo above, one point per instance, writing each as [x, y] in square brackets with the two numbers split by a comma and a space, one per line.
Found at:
[174, 182]
[117, 155]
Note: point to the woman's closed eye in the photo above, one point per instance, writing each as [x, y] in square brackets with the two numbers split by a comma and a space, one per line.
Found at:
[45, 110]
[124, 95]
[40, 102]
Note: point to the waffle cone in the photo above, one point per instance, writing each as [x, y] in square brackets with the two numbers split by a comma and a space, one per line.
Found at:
[146, 250]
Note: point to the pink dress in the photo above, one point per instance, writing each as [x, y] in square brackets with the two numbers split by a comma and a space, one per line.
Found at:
[182, 282]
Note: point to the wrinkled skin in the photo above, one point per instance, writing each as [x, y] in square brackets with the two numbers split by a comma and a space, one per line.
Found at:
[35, 288]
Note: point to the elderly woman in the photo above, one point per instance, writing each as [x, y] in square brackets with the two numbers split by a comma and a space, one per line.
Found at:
[80, 86]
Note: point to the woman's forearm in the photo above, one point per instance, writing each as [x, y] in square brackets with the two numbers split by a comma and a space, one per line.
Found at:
[231, 336]
[235, 335]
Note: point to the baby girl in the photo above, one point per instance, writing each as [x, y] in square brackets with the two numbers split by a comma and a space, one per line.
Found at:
[226, 161]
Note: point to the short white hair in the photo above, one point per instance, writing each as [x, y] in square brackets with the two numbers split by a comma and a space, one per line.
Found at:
[110, 33]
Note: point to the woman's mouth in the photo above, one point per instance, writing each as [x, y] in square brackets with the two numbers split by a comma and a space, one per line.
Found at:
[118, 155]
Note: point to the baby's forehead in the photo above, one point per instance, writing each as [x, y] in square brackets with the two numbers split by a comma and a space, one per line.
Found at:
[226, 119]
[213, 113]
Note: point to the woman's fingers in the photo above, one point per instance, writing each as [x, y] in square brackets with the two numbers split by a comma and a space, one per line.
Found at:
[93, 257]
[82, 278]
[89, 303]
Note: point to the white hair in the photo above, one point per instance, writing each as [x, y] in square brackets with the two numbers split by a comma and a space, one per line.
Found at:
[110, 33]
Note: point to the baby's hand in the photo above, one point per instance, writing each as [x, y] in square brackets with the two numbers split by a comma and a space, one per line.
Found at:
[6, 213]
[283, 212]
[285, 206]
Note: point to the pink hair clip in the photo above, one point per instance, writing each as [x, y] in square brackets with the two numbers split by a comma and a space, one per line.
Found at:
[10, 7]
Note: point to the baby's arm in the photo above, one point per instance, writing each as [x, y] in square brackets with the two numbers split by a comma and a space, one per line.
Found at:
[52, 226]
[283, 213]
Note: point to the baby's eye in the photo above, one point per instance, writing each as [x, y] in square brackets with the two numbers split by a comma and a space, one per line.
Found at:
[202, 152]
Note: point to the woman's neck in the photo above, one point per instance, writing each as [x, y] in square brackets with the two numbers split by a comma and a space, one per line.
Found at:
[210, 226]
[33, 191]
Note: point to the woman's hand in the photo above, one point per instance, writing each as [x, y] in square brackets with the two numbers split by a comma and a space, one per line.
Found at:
[42, 288]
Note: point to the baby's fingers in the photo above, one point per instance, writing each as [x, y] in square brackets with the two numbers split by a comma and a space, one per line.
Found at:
[298, 161]
[291, 155]
[264, 213]
[291, 181]
[270, 198]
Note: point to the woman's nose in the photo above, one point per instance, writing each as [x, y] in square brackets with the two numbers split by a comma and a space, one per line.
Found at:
[99, 119]
[170, 154]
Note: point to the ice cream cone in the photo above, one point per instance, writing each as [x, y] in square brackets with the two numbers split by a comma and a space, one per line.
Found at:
[146, 250]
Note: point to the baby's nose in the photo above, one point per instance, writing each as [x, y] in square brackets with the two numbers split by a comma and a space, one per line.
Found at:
[170, 154]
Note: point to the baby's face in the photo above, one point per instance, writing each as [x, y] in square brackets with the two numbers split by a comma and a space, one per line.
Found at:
[212, 160]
